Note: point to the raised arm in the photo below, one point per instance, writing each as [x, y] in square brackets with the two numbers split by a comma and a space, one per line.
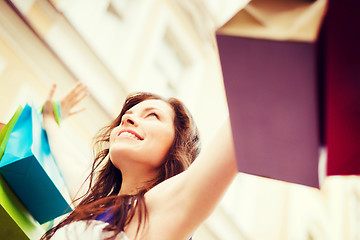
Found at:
[183, 202]
[71, 163]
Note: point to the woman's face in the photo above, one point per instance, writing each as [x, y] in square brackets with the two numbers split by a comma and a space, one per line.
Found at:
[144, 136]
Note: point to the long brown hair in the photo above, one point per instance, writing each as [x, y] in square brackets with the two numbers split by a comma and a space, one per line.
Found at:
[105, 179]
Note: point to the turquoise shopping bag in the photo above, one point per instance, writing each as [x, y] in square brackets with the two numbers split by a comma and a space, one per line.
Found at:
[30, 170]
[15, 221]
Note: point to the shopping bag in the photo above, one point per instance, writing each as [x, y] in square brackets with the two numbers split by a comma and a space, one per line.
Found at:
[268, 55]
[6, 130]
[289, 20]
[30, 170]
[342, 89]
[15, 221]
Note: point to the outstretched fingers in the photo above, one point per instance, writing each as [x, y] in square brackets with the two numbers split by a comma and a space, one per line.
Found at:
[72, 98]
[76, 91]
[76, 99]
[75, 95]
[76, 111]
[51, 93]
[48, 109]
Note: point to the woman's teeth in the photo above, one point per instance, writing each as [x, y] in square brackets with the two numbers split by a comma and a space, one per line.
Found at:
[129, 135]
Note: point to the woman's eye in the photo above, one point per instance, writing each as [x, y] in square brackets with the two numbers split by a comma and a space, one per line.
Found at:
[153, 115]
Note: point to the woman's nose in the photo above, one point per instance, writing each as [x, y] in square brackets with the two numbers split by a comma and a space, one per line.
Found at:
[127, 119]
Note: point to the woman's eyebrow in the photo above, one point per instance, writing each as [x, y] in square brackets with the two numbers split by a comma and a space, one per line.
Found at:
[145, 110]
[148, 109]
[128, 112]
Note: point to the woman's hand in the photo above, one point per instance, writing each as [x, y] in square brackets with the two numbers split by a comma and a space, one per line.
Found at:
[67, 103]
[71, 99]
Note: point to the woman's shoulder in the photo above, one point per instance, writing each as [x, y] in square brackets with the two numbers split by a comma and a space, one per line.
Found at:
[89, 230]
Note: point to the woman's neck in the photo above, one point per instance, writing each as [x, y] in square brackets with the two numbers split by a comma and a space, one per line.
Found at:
[132, 184]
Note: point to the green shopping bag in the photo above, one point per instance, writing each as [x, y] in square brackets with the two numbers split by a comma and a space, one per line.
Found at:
[6, 130]
[15, 221]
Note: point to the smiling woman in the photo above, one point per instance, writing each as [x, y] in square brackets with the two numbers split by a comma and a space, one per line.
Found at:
[151, 124]
[138, 183]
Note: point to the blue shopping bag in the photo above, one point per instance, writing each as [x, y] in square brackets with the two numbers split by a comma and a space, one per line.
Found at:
[30, 170]
[15, 221]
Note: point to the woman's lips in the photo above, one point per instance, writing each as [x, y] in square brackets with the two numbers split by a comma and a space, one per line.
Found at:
[131, 134]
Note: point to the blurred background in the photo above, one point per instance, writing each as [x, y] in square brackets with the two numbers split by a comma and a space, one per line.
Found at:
[117, 47]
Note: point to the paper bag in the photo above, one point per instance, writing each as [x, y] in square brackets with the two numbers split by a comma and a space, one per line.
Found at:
[269, 64]
[290, 20]
[30, 170]
[15, 221]
[6, 130]
[342, 73]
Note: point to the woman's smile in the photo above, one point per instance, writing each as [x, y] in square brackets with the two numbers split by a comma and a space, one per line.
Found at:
[130, 134]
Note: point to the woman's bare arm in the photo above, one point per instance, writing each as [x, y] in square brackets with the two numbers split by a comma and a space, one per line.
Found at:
[71, 163]
[183, 202]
